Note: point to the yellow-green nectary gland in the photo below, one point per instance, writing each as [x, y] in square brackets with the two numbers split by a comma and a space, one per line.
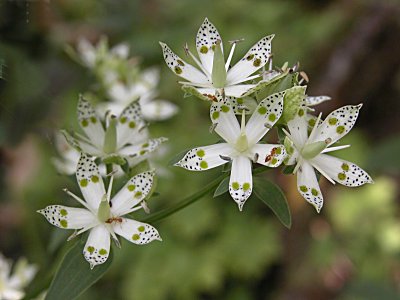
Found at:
[102, 251]
[312, 150]
[110, 139]
[83, 182]
[203, 164]
[103, 214]
[64, 223]
[218, 74]
[135, 237]
[235, 185]
[200, 153]
[63, 212]
[95, 179]
[246, 186]
[303, 188]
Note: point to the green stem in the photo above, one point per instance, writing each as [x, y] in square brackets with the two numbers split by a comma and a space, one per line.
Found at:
[109, 169]
[193, 198]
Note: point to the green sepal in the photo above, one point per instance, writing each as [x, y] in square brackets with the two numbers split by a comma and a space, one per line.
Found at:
[274, 198]
[222, 188]
[178, 157]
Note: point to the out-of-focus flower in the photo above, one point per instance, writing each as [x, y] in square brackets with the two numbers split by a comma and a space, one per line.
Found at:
[102, 215]
[309, 152]
[215, 74]
[242, 144]
[12, 284]
[69, 156]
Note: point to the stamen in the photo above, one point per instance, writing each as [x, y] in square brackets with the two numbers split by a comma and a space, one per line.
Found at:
[245, 79]
[323, 173]
[187, 51]
[134, 209]
[212, 127]
[145, 207]
[228, 61]
[77, 199]
[335, 148]
[314, 130]
[110, 188]
[256, 157]
[195, 84]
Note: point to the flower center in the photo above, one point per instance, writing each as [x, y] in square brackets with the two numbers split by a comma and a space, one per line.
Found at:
[110, 138]
[104, 212]
[242, 144]
[218, 75]
[310, 151]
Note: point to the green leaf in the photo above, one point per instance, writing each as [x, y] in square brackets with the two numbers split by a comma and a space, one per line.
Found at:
[222, 188]
[74, 275]
[272, 195]
[288, 170]
[178, 157]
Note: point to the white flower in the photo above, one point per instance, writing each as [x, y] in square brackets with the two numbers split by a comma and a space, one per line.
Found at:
[144, 89]
[69, 156]
[124, 136]
[215, 73]
[242, 145]
[102, 215]
[309, 152]
[90, 55]
[12, 285]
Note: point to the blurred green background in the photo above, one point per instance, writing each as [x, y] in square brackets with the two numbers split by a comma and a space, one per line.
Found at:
[350, 50]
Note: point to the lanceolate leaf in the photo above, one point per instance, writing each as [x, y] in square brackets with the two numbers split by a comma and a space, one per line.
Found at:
[74, 275]
[178, 157]
[222, 188]
[271, 195]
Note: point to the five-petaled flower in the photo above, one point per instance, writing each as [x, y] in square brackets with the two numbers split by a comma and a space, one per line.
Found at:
[102, 215]
[215, 74]
[309, 152]
[242, 144]
[125, 137]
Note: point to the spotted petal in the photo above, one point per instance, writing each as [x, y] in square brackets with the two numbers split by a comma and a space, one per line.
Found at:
[238, 90]
[241, 180]
[268, 155]
[311, 101]
[206, 157]
[158, 110]
[134, 191]
[90, 181]
[308, 186]
[298, 131]
[90, 122]
[206, 39]
[337, 124]
[224, 120]
[136, 232]
[97, 247]
[253, 60]
[182, 68]
[264, 117]
[68, 217]
[143, 148]
[341, 171]
[129, 125]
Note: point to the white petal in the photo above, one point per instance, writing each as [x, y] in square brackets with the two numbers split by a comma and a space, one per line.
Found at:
[268, 155]
[241, 180]
[121, 50]
[11, 294]
[143, 148]
[68, 217]
[311, 101]
[253, 60]
[119, 92]
[206, 157]
[136, 232]
[206, 38]
[159, 110]
[182, 68]
[134, 191]
[90, 122]
[337, 124]
[87, 52]
[90, 181]
[341, 171]
[129, 125]
[264, 117]
[224, 120]
[298, 131]
[97, 247]
[238, 90]
[308, 186]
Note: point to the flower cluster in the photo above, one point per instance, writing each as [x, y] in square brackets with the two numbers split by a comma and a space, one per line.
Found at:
[274, 98]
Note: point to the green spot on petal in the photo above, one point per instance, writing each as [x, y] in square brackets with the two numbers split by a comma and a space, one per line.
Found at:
[200, 153]
[332, 121]
[95, 179]
[64, 223]
[178, 70]
[123, 120]
[135, 237]
[103, 252]
[257, 62]
[235, 185]
[180, 62]
[142, 152]
[314, 192]
[340, 129]
[278, 151]
[204, 164]
[272, 117]
[93, 120]
[131, 187]
[345, 167]
[303, 188]
[301, 112]
[250, 57]
[240, 100]
[90, 249]
[225, 108]
[215, 115]
[141, 228]
[63, 212]
[262, 110]
[274, 161]
[83, 182]
[138, 194]
[145, 145]
[311, 122]
[246, 186]
[203, 49]
[132, 124]
[84, 123]
[342, 176]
